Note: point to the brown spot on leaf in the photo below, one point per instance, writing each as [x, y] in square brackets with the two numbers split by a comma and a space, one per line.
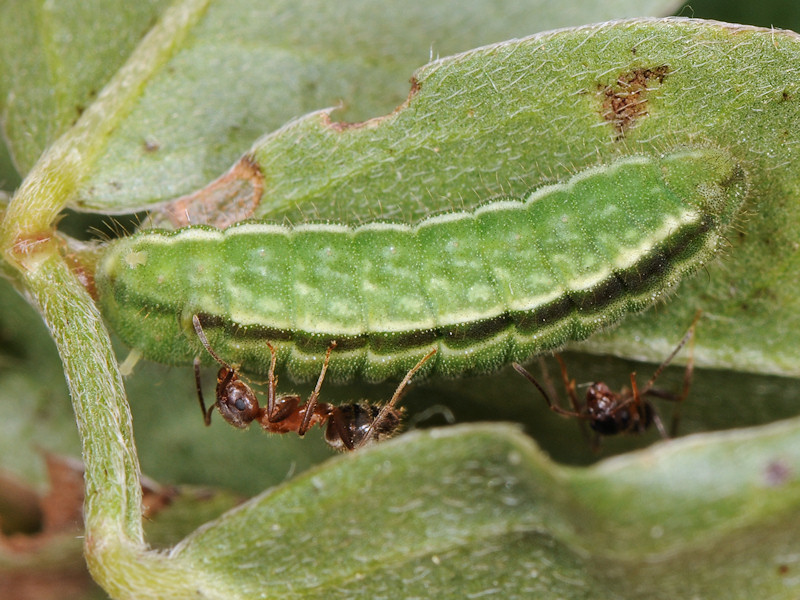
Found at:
[60, 510]
[777, 473]
[20, 511]
[58, 582]
[82, 269]
[416, 86]
[625, 101]
[344, 125]
[225, 201]
[63, 505]
[29, 249]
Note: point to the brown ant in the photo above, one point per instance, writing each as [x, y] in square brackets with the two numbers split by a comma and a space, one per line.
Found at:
[611, 413]
[349, 426]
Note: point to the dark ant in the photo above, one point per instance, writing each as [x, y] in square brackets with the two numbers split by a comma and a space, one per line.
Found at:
[349, 426]
[611, 413]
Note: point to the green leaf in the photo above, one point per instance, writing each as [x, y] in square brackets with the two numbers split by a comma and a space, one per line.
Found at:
[479, 510]
[243, 70]
[54, 65]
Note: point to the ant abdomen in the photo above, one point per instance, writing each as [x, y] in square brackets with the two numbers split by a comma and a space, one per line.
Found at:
[349, 425]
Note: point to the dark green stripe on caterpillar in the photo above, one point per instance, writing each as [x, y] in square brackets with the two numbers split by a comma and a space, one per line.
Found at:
[506, 281]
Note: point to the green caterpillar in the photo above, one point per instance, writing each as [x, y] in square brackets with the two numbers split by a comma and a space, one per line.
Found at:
[500, 283]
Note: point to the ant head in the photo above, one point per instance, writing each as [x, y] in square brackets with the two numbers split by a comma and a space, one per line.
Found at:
[236, 401]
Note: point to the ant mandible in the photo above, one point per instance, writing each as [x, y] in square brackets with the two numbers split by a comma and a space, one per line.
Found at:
[627, 411]
[349, 426]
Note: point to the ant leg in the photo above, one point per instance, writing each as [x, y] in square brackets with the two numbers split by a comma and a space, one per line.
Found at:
[204, 340]
[272, 383]
[524, 372]
[547, 380]
[660, 425]
[305, 424]
[199, 387]
[638, 423]
[573, 398]
[687, 376]
[551, 405]
[569, 385]
[635, 404]
[687, 382]
[387, 408]
[687, 336]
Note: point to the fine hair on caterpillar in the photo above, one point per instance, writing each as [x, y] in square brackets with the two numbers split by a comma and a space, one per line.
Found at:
[502, 282]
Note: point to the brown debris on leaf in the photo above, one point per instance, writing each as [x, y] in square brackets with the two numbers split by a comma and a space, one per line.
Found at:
[59, 510]
[43, 559]
[227, 200]
[41, 544]
[626, 101]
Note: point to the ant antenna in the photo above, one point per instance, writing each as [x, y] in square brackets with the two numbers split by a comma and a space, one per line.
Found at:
[524, 372]
[687, 336]
[204, 340]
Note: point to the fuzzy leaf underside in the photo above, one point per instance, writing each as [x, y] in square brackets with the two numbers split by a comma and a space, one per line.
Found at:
[475, 510]
[245, 69]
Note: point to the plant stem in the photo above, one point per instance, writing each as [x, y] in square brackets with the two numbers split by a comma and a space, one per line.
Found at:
[114, 542]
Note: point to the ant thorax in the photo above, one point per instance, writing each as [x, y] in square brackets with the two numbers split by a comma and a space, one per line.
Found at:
[605, 416]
